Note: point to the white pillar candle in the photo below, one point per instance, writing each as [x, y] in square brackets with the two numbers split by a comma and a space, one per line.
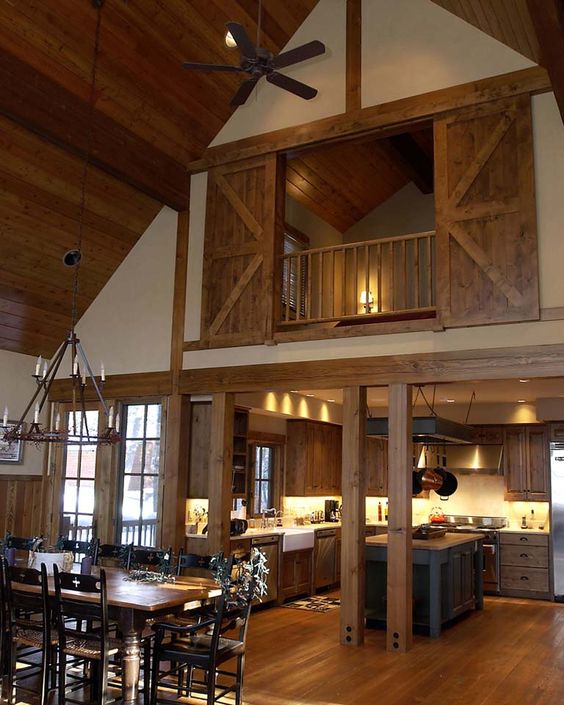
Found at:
[102, 372]
[38, 367]
[57, 421]
[44, 370]
[111, 417]
[5, 417]
[36, 414]
[75, 367]
[117, 422]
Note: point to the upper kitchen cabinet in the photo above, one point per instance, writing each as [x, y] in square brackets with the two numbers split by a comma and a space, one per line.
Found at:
[313, 459]
[526, 463]
[199, 454]
[376, 466]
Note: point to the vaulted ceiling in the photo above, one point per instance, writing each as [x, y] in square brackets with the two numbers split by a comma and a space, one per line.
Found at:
[151, 118]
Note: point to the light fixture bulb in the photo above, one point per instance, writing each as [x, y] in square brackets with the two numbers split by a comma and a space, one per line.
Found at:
[229, 41]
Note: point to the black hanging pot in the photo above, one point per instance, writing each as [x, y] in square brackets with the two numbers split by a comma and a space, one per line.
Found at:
[449, 486]
[416, 487]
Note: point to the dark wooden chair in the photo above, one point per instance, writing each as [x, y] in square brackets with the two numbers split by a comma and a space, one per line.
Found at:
[82, 549]
[111, 555]
[141, 558]
[204, 646]
[93, 643]
[200, 566]
[30, 633]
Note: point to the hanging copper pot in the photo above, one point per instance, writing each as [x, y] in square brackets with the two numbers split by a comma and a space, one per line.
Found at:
[430, 479]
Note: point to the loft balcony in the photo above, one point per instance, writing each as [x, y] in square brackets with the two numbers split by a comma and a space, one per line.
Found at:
[382, 280]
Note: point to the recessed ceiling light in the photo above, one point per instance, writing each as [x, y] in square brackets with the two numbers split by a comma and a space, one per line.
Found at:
[521, 401]
[310, 395]
[450, 401]
[524, 380]
[331, 400]
[294, 391]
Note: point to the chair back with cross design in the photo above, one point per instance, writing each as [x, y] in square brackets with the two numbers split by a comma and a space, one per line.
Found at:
[111, 555]
[198, 566]
[80, 549]
[142, 558]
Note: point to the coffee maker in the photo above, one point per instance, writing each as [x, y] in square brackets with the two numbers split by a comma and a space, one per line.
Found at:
[331, 510]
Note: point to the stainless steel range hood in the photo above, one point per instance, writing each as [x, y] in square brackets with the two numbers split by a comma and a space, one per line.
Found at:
[464, 459]
[431, 430]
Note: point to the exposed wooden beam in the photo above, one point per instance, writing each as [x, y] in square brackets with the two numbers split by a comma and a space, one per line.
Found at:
[399, 626]
[367, 120]
[41, 105]
[492, 363]
[548, 21]
[352, 532]
[354, 55]
[413, 161]
[220, 472]
[141, 384]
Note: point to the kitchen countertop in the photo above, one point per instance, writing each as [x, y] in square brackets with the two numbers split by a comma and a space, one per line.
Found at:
[511, 530]
[277, 530]
[440, 544]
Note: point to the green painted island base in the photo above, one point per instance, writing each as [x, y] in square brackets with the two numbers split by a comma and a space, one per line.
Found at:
[447, 580]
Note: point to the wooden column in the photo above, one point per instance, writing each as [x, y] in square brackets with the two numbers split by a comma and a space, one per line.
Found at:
[352, 530]
[400, 571]
[354, 55]
[220, 472]
[177, 412]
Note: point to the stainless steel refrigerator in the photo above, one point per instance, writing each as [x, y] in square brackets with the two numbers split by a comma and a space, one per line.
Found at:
[557, 517]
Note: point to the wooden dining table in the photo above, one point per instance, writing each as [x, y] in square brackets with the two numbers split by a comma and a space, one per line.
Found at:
[132, 603]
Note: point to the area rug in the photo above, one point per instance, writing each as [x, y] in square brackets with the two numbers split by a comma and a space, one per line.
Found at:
[317, 603]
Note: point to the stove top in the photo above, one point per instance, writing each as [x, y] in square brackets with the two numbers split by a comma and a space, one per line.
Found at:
[488, 526]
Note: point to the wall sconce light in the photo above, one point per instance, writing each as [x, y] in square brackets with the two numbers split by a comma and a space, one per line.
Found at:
[367, 300]
[229, 41]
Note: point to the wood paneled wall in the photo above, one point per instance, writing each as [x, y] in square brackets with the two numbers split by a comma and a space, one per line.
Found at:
[21, 502]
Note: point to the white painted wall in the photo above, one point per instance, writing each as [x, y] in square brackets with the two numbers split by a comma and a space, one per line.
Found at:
[128, 326]
[320, 233]
[407, 211]
[17, 386]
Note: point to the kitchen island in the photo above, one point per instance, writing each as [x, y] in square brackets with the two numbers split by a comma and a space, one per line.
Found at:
[447, 579]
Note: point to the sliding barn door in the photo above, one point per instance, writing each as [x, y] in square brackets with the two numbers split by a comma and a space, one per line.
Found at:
[487, 269]
[242, 237]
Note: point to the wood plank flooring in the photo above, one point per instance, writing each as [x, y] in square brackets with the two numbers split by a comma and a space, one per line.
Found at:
[512, 652]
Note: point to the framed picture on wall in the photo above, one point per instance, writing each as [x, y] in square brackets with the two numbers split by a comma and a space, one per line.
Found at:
[11, 453]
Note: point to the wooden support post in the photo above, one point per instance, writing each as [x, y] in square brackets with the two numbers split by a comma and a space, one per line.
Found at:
[354, 55]
[177, 412]
[400, 570]
[352, 530]
[220, 472]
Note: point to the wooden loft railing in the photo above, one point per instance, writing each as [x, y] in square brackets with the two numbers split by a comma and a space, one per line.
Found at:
[379, 279]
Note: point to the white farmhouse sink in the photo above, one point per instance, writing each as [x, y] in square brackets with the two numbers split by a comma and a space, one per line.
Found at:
[297, 539]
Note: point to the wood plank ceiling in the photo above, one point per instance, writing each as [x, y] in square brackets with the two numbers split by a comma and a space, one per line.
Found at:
[151, 118]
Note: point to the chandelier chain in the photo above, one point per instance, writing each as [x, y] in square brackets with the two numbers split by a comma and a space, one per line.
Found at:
[89, 141]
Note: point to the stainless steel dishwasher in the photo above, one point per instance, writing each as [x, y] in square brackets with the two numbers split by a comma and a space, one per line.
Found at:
[270, 546]
[325, 552]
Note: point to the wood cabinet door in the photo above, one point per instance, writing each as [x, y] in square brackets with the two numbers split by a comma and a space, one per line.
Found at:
[537, 463]
[200, 441]
[303, 572]
[240, 288]
[376, 466]
[288, 584]
[462, 581]
[336, 460]
[486, 251]
[296, 465]
[515, 470]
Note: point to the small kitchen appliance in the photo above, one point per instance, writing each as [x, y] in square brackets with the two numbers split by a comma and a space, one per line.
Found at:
[331, 510]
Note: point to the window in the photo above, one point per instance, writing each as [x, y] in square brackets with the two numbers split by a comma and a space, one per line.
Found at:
[139, 477]
[263, 481]
[294, 241]
[79, 470]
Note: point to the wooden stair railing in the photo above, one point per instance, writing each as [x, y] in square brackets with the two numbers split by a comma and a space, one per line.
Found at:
[388, 277]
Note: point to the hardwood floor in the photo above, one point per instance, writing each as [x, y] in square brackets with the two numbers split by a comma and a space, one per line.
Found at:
[511, 653]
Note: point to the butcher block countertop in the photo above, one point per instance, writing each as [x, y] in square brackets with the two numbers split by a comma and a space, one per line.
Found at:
[440, 544]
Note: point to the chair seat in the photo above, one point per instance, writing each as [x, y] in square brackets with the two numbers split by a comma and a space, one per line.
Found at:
[90, 648]
[33, 637]
[200, 646]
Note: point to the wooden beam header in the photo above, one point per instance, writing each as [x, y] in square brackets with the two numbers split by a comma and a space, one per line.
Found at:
[366, 120]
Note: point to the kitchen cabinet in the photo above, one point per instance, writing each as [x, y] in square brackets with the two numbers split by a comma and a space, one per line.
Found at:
[376, 466]
[199, 454]
[296, 573]
[270, 546]
[313, 459]
[524, 559]
[526, 465]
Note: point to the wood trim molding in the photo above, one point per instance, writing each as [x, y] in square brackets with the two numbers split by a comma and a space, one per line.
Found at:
[139, 384]
[12, 477]
[179, 300]
[556, 313]
[367, 120]
[424, 368]
[265, 437]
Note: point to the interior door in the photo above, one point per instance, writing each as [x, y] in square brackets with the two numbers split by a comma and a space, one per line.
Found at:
[487, 266]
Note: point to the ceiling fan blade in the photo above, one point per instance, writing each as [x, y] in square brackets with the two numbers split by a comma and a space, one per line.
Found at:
[210, 67]
[245, 90]
[290, 84]
[242, 40]
[301, 53]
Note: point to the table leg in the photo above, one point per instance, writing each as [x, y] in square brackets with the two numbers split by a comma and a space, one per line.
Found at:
[131, 665]
[434, 594]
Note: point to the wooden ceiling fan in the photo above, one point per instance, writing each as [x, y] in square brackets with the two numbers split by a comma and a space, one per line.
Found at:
[258, 62]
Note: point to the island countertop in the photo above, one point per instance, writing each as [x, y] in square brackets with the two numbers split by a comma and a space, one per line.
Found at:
[438, 544]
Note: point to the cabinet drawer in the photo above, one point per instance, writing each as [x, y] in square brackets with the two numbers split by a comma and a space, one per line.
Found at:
[534, 556]
[524, 539]
[527, 579]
